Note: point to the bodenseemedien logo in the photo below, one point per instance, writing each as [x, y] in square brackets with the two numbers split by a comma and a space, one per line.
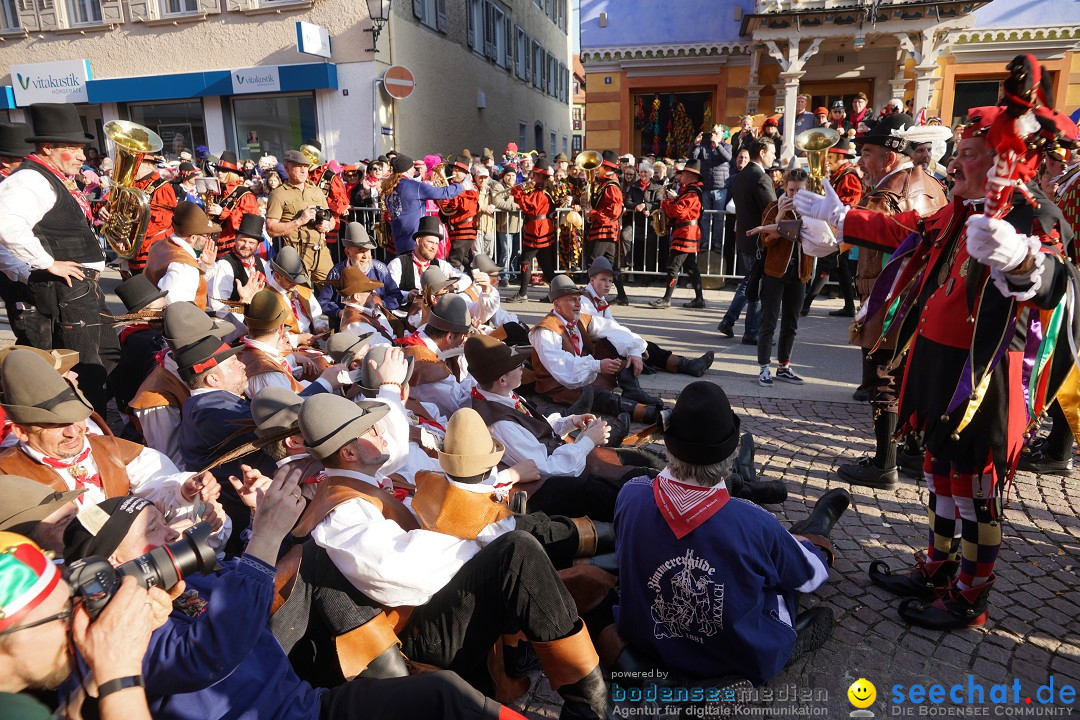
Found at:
[861, 695]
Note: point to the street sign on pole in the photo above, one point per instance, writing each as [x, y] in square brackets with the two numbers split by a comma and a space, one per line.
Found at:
[398, 81]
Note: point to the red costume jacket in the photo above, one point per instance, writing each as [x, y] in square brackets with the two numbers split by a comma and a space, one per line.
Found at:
[162, 205]
[847, 184]
[605, 223]
[538, 212]
[461, 215]
[236, 201]
[330, 182]
[685, 214]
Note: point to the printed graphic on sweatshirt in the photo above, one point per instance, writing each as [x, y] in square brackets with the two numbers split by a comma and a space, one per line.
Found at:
[688, 603]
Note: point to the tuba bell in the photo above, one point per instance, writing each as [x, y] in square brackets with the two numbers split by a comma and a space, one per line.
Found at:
[589, 161]
[128, 206]
[437, 176]
[312, 154]
[659, 220]
[816, 142]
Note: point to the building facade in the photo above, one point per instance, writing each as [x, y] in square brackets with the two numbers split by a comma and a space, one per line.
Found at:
[228, 74]
[658, 74]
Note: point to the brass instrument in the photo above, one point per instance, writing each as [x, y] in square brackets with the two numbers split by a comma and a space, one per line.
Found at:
[312, 153]
[437, 176]
[589, 161]
[128, 206]
[816, 142]
[660, 223]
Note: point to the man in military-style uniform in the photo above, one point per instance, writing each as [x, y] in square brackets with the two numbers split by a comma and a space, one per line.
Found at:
[291, 212]
[162, 196]
[604, 217]
[461, 214]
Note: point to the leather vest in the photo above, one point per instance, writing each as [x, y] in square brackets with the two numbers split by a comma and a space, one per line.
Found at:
[160, 388]
[545, 383]
[165, 253]
[257, 362]
[111, 455]
[538, 427]
[427, 367]
[408, 273]
[336, 490]
[446, 509]
[64, 230]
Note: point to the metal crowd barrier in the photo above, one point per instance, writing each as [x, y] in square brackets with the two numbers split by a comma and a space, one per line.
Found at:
[643, 253]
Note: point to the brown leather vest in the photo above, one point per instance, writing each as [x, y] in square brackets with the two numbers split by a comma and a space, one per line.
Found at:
[778, 249]
[335, 490]
[160, 388]
[111, 454]
[446, 509]
[166, 252]
[257, 362]
[538, 427]
[545, 383]
[427, 367]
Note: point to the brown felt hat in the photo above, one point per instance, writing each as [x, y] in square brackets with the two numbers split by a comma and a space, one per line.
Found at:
[354, 281]
[266, 311]
[36, 394]
[190, 219]
[24, 502]
[275, 409]
[490, 358]
[468, 448]
[330, 422]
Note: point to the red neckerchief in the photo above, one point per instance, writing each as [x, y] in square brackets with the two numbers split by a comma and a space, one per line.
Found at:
[78, 473]
[518, 405]
[72, 188]
[600, 303]
[420, 263]
[5, 425]
[159, 357]
[413, 339]
[129, 330]
[644, 185]
[685, 507]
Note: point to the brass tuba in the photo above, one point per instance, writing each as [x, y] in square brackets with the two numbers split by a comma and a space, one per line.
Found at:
[589, 161]
[816, 142]
[312, 154]
[437, 176]
[128, 206]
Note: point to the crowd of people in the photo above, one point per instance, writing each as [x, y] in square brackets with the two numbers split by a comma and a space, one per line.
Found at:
[397, 498]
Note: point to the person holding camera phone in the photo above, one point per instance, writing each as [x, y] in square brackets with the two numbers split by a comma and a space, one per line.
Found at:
[297, 212]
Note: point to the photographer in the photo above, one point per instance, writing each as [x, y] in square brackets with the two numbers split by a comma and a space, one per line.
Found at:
[215, 656]
[714, 152]
[38, 619]
[297, 212]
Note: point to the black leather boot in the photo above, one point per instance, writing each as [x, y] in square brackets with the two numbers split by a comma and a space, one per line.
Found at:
[584, 402]
[572, 670]
[866, 473]
[695, 367]
[759, 492]
[646, 413]
[620, 428]
[812, 628]
[827, 510]
[923, 581]
[632, 390]
[952, 609]
[606, 402]
[744, 459]
[390, 664]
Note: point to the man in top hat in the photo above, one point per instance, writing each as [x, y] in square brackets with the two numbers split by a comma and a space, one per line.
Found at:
[13, 147]
[46, 222]
[406, 268]
[567, 355]
[13, 271]
[461, 214]
[896, 186]
[406, 200]
[604, 215]
[684, 209]
[594, 303]
[237, 275]
[681, 538]
[537, 205]
[441, 376]
[267, 355]
[846, 181]
[140, 337]
[162, 195]
[49, 420]
[378, 543]
[290, 213]
[360, 316]
[358, 248]
[971, 438]
[184, 184]
[233, 201]
[179, 264]
[287, 277]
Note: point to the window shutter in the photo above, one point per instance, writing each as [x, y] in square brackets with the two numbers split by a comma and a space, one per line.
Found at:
[210, 6]
[489, 30]
[112, 12]
[418, 8]
[47, 15]
[508, 30]
[141, 10]
[441, 23]
[235, 5]
[470, 13]
[27, 11]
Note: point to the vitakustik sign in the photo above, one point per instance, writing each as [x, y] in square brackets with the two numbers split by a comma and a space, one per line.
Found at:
[53, 82]
[255, 80]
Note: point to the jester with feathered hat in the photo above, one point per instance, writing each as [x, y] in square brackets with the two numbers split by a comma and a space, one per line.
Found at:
[985, 306]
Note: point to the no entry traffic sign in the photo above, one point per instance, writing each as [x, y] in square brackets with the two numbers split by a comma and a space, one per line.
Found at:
[398, 81]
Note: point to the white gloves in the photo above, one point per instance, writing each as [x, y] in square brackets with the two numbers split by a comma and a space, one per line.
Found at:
[995, 243]
[825, 207]
[818, 239]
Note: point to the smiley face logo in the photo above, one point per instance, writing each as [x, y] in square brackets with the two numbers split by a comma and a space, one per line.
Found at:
[862, 693]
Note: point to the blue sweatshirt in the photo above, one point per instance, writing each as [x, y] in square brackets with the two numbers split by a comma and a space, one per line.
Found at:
[407, 205]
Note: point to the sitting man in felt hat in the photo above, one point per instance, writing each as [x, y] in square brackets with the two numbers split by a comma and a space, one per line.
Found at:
[427, 577]
[234, 201]
[709, 583]
[485, 303]
[358, 248]
[37, 511]
[224, 615]
[286, 276]
[48, 416]
[237, 275]
[267, 355]
[406, 268]
[441, 376]
[360, 315]
[566, 356]
[594, 303]
[179, 264]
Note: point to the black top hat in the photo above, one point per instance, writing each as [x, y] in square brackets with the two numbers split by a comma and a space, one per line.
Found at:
[611, 159]
[137, 292]
[57, 123]
[693, 166]
[227, 161]
[401, 163]
[251, 225]
[13, 140]
[542, 166]
[429, 226]
[458, 163]
[843, 147]
[888, 132]
[703, 429]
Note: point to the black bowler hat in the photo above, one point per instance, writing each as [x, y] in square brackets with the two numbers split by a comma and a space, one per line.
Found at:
[137, 292]
[611, 159]
[429, 225]
[57, 123]
[703, 429]
[13, 140]
[889, 133]
[693, 166]
[843, 147]
[251, 225]
[227, 162]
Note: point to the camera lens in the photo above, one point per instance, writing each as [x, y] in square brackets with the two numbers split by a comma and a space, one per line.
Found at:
[167, 565]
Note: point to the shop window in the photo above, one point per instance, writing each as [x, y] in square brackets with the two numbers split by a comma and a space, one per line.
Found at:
[9, 15]
[665, 123]
[973, 93]
[180, 125]
[271, 125]
[84, 12]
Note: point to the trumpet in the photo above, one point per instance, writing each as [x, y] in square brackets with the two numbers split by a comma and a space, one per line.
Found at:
[128, 206]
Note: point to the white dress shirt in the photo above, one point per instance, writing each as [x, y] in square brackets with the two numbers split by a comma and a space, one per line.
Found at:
[589, 299]
[392, 566]
[160, 424]
[303, 324]
[220, 283]
[180, 280]
[394, 266]
[25, 197]
[370, 322]
[451, 393]
[574, 371]
[568, 459]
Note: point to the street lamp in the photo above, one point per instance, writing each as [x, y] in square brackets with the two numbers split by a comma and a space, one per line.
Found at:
[379, 10]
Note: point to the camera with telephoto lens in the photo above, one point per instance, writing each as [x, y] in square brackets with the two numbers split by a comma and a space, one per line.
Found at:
[96, 581]
[321, 215]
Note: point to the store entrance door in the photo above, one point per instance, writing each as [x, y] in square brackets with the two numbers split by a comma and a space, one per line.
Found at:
[665, 124]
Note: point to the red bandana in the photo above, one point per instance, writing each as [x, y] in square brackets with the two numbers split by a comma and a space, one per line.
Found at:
[128, 330]
[575, 339]
[685, 507]
[75, 469]
[68, 183]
